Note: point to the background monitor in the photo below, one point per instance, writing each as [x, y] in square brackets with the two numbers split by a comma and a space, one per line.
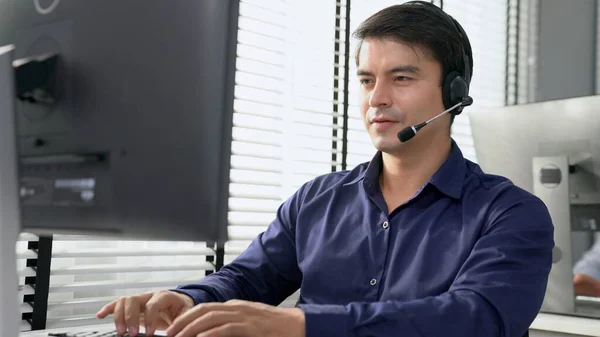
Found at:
[137, 142]
[506, 139]
[527, 144]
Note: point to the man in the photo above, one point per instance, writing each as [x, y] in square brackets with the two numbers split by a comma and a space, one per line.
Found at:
[418, 242]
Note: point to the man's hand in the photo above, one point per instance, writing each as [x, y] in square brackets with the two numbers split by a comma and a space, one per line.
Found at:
[239, 319]
[156, 310]
[586, 285]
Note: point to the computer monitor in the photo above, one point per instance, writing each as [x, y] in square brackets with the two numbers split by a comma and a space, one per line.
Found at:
[122, 126]
[134, 139]
[551, 149]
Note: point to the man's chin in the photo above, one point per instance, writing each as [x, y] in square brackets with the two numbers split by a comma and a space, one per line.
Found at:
[388, 144]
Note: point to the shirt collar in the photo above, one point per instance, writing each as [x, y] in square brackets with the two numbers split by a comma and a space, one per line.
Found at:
[372, 171]
[448, 179]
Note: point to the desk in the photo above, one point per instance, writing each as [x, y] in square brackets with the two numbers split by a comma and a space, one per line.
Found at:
[545, 325]
[551, 325]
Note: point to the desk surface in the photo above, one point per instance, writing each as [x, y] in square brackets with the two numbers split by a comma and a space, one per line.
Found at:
[543, 322]
[567, 324]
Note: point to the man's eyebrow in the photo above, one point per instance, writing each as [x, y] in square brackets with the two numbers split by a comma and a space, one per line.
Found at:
[361, 72]
[399, 69]
[404, 69]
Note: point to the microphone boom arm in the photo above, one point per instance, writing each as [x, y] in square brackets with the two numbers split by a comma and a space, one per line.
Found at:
[443, 113]
[409, 132]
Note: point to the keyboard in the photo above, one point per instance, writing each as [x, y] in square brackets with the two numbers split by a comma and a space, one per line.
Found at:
[105, 333]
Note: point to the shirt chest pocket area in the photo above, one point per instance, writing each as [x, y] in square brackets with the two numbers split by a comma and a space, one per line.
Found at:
[337, 268]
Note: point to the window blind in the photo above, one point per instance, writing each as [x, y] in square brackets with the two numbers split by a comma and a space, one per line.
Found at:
[89, 271]
[512, 53]
[528, 40]
[520, 54]
[283, 122]
[23, 271]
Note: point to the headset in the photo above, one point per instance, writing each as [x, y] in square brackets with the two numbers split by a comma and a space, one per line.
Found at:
[455, 87]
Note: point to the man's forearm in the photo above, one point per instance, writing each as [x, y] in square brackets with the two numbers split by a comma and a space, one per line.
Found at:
[261, 274]
[222, 286]
[459, 313]
[199, 292]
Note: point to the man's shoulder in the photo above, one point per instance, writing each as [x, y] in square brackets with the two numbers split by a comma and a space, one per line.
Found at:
[495, 186]
[500, 195]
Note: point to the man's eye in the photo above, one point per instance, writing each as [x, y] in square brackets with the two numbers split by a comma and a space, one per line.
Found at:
[365, 81]
[403, 78]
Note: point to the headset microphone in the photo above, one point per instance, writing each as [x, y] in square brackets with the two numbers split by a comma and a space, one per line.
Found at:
[409, 132]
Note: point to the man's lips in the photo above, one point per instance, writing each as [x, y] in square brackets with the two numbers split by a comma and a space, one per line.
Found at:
[383, 124]
[383, 120]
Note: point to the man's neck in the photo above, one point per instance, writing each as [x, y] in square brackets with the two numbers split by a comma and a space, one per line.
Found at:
[404, 173]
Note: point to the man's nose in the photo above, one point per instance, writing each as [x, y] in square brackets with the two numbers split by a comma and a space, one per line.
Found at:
[380, 96]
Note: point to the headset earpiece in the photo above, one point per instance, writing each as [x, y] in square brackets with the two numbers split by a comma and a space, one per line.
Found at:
[455, 87]
[454, 90]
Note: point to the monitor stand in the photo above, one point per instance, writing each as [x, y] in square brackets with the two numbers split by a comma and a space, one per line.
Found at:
[10, 222]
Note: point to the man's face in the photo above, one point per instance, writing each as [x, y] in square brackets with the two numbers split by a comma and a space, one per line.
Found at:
[400, 87]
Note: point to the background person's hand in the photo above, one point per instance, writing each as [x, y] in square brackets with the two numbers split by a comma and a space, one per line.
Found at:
[155, 310]
[586, 285]
[239, 319]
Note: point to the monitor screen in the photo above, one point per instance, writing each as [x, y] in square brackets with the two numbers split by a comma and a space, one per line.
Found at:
[132, 137]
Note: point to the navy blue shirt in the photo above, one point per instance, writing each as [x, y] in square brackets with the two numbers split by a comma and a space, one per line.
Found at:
[468, 255]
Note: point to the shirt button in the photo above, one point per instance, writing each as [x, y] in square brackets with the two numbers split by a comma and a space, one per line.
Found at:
[385, 225]
[373, 282]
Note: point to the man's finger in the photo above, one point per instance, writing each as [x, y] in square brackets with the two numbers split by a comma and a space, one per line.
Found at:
[210, 321]
[107, 310]
[165, 317]
[198, 311]
[119, 316]
[152, 314]
[132, 315]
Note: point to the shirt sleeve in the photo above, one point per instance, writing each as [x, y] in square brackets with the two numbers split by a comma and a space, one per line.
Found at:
[267, 271]
[498, 291]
